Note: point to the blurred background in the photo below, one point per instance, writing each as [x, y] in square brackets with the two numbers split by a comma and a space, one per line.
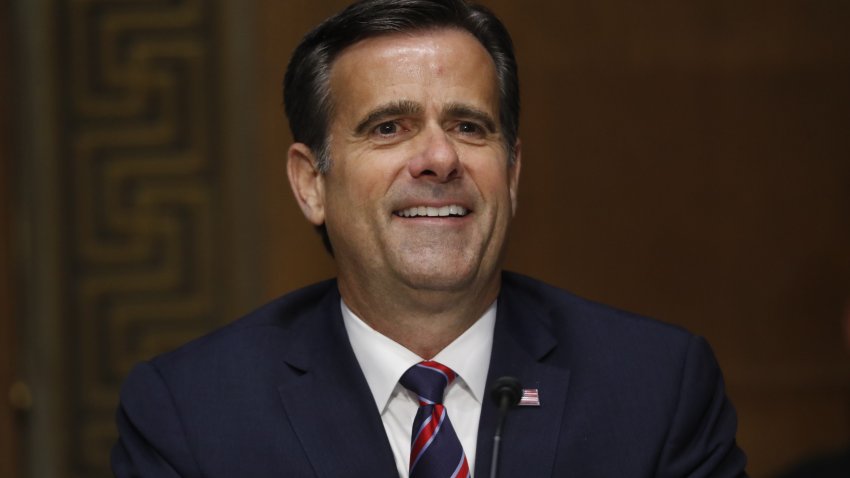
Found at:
[685, 160]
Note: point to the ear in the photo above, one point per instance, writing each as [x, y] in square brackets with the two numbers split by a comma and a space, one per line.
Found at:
[307, 183]
[513, 175]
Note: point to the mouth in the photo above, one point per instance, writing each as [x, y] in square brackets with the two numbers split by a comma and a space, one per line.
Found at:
[452, 210]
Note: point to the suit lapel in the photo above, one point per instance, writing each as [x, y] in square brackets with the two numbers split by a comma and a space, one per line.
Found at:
[530, 434]
[329, 405]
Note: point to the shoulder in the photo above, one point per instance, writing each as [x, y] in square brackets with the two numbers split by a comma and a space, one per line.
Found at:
[636, 372]
[261, 335]
[568, 315]
[207, 395]
[602, 344]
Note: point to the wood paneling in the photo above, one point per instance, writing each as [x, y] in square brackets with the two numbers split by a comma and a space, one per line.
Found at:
[9, 427]
[128, 204]
[293, 250]
[702, 178]
[685, 160]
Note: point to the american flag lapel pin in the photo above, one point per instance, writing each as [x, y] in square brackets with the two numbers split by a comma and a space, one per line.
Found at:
[530, 398]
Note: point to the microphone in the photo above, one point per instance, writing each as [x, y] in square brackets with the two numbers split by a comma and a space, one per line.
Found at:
[506, 392]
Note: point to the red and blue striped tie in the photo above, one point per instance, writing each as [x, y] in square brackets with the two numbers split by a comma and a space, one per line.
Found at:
[435, 451]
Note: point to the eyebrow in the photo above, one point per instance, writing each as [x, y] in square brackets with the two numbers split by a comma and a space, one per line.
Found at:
[395, 108]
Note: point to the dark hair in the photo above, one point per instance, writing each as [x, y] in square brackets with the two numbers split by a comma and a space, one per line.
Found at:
[306, 89]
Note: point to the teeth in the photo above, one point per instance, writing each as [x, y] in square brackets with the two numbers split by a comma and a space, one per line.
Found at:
[427, 211]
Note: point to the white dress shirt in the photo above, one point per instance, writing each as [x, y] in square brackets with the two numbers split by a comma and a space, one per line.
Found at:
[383, 362]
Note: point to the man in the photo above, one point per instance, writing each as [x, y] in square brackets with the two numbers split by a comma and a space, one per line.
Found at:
[405, 117]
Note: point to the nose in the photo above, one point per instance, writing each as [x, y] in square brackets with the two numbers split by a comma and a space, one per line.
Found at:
[437, 159]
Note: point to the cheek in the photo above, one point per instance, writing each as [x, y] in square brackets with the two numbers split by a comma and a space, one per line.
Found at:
[493, 181]
[375, 173]
[354, 194]
[490, 159]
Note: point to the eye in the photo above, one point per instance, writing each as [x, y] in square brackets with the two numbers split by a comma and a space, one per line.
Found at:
[468, 128]
[387, 129]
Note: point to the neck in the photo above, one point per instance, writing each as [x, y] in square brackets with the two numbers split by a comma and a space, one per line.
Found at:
[422, 321]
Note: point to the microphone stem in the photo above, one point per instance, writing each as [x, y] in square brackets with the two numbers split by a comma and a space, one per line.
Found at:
[494, 463]
[497, 438]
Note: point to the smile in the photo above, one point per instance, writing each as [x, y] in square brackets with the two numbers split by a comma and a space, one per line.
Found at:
[428, 211]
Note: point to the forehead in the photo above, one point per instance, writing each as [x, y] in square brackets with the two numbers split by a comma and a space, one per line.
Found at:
[427, 66]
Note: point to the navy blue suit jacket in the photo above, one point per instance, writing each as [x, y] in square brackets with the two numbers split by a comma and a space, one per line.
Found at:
[280, 393]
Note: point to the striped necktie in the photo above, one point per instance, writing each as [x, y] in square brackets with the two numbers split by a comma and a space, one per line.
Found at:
[435, 451]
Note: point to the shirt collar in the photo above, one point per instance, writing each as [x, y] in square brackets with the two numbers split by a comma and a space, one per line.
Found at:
[384, 361]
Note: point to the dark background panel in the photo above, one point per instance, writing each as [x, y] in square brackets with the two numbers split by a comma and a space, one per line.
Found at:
[9, 423]
[685, 160]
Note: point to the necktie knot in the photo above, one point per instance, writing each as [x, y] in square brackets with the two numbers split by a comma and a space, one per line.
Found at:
[428, 380]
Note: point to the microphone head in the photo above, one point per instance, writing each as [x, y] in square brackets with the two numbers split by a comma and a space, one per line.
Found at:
[506, 387]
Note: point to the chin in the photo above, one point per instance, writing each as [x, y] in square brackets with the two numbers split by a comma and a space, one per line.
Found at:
[444, 269]
[439, 277]
[438, 283]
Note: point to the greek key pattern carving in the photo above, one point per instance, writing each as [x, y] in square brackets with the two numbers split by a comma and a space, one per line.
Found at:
[141, 176]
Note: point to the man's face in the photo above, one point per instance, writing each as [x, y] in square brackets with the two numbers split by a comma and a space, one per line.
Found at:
[420, 192]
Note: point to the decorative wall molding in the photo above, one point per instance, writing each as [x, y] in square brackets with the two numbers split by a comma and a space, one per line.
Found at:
[135, 172]
[140, 168]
